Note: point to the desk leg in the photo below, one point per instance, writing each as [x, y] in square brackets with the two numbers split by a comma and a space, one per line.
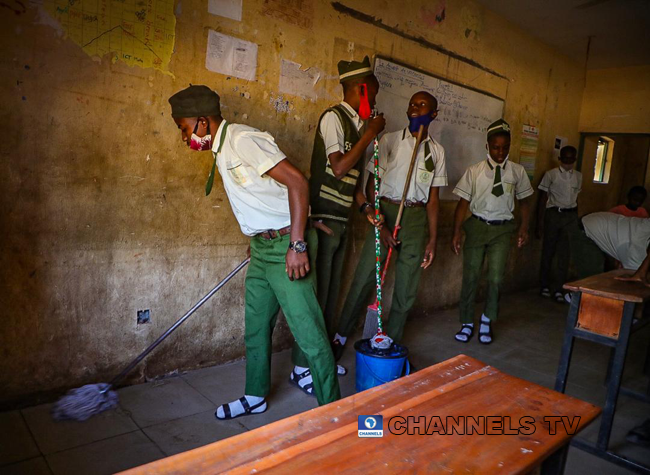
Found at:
[614, 383]
[554, 465]
[567, 346]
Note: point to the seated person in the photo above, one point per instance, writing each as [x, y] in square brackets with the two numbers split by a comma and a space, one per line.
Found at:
[634, 206]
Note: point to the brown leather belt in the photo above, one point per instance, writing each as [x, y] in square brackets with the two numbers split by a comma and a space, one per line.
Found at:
[407, 203]
[273, 233]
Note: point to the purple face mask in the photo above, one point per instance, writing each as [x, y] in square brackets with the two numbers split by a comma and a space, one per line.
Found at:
[416, 122]
[201, 143]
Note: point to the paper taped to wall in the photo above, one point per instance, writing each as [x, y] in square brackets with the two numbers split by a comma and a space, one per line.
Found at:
[225, 8]
[298, 82]
[231, 56]
[137, 33]
[528, 149]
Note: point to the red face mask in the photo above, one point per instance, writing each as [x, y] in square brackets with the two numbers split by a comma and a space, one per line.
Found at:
[364, 105]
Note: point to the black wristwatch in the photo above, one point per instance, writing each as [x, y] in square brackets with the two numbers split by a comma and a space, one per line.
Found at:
[298, 246]
[363, 207]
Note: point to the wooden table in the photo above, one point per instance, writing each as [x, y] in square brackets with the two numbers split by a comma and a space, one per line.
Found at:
[602, 311]
[325, 439]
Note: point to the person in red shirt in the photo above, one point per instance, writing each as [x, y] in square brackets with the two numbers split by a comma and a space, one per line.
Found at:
[634, 206]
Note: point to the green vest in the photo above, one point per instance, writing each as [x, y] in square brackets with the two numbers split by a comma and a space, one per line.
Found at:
[329, 197]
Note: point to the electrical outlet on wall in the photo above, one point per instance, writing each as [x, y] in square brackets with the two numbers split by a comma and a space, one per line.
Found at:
[144, 316]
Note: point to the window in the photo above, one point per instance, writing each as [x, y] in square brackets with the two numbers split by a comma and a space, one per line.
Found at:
[603, 165]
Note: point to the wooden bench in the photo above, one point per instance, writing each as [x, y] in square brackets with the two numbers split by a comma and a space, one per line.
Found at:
[325, 439]
[602, 311]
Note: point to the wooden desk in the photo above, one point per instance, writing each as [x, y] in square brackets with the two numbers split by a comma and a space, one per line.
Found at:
[325, 439]
[602, 311]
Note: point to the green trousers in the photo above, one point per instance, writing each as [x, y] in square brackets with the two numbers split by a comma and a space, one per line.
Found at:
[557, 227]
[329, 265]
[413, 236]
[268, 289]
[587, 257]
[481, 239]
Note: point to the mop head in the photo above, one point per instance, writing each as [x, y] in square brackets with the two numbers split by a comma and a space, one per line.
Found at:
[381, 341]
[84, 402]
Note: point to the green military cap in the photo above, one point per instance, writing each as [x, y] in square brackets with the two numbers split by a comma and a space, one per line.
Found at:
[498, 127]
[354, 69]
[195, 101]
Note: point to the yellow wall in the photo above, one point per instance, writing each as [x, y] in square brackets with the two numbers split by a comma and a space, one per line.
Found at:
[617, 100]
[103, 207]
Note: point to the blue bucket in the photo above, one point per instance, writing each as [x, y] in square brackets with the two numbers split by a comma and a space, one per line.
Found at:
[379, 367]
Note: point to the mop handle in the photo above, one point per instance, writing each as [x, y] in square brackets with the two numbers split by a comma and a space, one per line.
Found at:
[378, 277]
[401, 205]
[142, 355]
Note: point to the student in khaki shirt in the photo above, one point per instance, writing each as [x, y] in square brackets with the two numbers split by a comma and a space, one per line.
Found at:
[488, 189]
[557, 214]
[269, 198]
[416, 245]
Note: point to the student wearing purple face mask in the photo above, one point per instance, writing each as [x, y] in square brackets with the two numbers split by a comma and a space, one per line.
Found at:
[416, 247]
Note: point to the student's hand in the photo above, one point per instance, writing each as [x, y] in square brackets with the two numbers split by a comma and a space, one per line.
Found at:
[455, 242]
[370, 216]
[297, 264]
[522, 238]
[429, 255]
[376, 125]
[387, 238]
[636, 277]
[248, 252]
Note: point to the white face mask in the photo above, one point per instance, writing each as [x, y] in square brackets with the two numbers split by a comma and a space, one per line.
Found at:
[201, 143]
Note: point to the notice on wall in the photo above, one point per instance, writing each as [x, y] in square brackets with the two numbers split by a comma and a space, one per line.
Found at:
[231, 56]
[528, 150]
[559, 143]
[298, 82]
[226, 8]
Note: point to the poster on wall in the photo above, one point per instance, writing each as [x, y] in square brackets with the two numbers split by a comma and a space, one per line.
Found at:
[528, 149]
[226, 8]
[231, 56]
[559, 143]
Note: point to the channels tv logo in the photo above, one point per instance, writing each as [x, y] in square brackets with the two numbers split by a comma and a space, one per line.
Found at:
[371, 426]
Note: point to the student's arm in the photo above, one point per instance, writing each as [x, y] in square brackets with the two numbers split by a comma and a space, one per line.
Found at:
[522, 238]
[433, 206]
[641, 275]
[542, 199]
[459, 216]
[342, 163]
[297, 264]
[369, 196]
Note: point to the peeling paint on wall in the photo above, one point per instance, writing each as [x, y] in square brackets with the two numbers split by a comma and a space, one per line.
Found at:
[280, 104]
[299, 82]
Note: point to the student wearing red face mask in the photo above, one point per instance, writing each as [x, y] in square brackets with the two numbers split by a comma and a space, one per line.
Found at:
[416, 246]
[269, 197]
[344, 132]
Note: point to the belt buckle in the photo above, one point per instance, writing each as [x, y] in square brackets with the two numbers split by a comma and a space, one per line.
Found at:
[559, 210]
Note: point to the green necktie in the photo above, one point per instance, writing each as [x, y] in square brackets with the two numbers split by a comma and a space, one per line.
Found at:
[497, 189]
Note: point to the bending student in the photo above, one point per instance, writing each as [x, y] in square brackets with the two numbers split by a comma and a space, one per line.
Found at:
[269, 198]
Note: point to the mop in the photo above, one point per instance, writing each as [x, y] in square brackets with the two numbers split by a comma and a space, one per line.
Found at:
[82, 403]
[373, 327]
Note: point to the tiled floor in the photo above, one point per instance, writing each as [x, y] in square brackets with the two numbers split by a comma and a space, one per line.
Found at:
[174, 415]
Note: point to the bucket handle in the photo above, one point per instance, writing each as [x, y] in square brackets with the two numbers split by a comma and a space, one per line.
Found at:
[408, 371]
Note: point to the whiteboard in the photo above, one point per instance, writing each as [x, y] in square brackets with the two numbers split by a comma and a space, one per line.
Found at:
[463, 118]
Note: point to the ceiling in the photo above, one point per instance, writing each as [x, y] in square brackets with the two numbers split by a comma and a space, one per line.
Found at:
[619, 29]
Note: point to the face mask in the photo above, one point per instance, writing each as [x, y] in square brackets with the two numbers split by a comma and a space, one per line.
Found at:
[416, 122]
[201, 143]
[364, 105]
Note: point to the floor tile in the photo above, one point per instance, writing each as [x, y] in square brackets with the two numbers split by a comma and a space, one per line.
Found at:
[219, 384]
[54, 436]
[106, 456]
[16, 443]
[35, 466]
[162, 401]
[191, 432]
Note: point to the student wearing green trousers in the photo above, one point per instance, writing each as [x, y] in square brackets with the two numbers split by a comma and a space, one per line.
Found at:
[269, 198]
[488, 189]
[557, 215]
[416, 243]
[338, 159]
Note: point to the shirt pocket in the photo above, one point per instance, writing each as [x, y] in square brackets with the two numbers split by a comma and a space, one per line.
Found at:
[423, 176]
[237, 171]
[509, 186]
